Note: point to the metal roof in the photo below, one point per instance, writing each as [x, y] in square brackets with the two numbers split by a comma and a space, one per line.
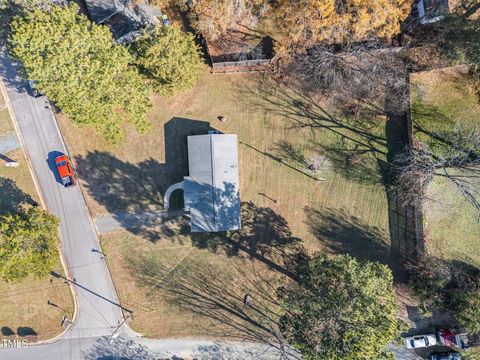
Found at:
[211, 192]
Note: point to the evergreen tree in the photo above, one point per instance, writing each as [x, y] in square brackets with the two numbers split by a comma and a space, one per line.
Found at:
[169, 57]
[79, 66]
[28, 244]
[468, 310]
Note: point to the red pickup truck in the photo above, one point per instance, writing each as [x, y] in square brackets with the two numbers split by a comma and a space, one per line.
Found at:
[65, 170]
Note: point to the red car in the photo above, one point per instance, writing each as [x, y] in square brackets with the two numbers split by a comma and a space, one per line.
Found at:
[65, 170]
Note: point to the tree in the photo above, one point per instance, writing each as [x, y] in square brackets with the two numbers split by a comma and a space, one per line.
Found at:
[453, 155]
[467, 310]
[341, 309]
[169, 57]
[78, 65]
[214, 18]
[428, 277]
[28, 244]
[307, 22]
[11, 8]
[360, 77]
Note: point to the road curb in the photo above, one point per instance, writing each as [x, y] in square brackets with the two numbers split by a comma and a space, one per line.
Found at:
[22, 142]
[44, 206]
[90, 217]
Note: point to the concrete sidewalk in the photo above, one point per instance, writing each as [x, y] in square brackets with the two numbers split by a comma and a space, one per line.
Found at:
[9, 143]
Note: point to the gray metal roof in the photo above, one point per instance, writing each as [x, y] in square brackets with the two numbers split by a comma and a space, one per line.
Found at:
[211, 192]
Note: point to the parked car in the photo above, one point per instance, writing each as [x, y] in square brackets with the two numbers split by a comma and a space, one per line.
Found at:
[451, 338]
[65, 170]
[453, 355]
[420, 341]
[33, 88]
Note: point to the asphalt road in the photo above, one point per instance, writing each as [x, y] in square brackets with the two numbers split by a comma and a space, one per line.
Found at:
[98, 311]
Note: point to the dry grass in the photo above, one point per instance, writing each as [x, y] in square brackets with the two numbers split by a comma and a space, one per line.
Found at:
[346, 213]
[23, 307]
[6, 125]
[21, 174]
[257, 128]
[145, 274]
[452, 226]
[154, 316]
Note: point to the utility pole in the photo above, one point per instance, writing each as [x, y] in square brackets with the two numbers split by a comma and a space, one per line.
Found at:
[115, 334]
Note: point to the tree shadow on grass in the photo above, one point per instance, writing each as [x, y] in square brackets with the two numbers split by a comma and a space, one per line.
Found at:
[12, 198]
[341, 232]
[239, 304]
[359, 148]
[122, 186]
[303, 111]
[264, 236]
[353, 145]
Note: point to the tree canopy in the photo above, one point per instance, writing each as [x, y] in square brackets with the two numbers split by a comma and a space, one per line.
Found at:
[307, 22]
[169, 57]
[28, 244]
[341, 309]
[304, 23]
[215, 17]
[468, 310]
[79, 66]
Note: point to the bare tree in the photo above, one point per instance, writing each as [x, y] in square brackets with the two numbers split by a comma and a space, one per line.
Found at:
[458, 162]
[359, 77]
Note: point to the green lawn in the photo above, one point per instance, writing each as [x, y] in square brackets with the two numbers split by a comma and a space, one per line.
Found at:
[443, 99]
[24, 308]
[339, 208]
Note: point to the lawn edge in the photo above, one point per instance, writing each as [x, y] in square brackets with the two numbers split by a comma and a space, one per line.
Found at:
[43, 204]
[97, 235]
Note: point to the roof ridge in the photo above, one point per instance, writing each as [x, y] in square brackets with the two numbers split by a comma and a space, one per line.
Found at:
[212, 174]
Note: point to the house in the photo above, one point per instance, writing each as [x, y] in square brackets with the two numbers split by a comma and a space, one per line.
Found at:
[211, 191]
[125, 18]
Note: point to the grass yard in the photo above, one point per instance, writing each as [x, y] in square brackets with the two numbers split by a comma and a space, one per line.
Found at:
[442, 100]
[24, 308]
[309, 177]
[6, 125]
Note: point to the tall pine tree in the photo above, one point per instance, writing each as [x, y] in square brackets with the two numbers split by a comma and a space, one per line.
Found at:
[169, 57]
[79, 66]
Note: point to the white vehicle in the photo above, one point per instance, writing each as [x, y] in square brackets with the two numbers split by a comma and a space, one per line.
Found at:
[420, 341]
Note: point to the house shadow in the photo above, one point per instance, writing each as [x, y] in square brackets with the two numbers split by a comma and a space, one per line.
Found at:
[264, 236]
[124, 188]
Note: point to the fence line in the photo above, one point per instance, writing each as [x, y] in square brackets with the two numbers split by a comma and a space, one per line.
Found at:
[244, 63]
